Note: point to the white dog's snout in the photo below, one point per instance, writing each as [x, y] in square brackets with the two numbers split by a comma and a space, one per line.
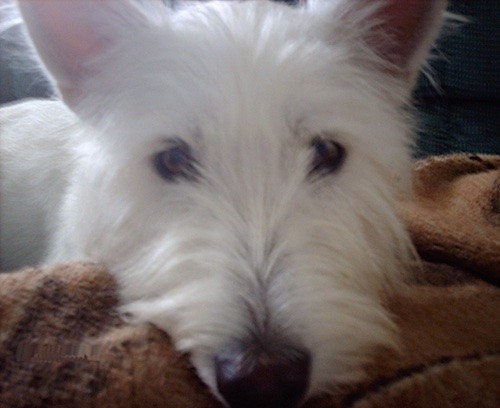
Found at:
[250, 375]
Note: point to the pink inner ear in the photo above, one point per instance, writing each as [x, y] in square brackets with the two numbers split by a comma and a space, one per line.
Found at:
[65, 35]
[410, 25]
[77, 40]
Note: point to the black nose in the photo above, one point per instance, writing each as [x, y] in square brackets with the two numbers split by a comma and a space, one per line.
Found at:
[251, 378]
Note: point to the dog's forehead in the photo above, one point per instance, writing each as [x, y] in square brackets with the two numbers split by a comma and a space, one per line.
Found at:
[254, 57]
[232, 72]
[235, 72]
[248, 47]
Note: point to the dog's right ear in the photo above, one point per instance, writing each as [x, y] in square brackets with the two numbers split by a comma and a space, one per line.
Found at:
[399, 32]
[71, 35]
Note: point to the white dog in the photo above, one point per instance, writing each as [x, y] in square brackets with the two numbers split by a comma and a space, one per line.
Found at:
[235, 165]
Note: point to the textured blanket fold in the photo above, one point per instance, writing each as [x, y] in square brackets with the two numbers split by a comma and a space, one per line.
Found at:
[455, 214]
[62, 342]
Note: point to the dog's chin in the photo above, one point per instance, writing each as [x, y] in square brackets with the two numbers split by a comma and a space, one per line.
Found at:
[203, 362]
[337, 333]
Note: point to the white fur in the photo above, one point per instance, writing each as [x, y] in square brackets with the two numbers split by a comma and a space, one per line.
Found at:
[247, 85]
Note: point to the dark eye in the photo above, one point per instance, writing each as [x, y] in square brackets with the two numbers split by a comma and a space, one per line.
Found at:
[328, 156]
[175, 162]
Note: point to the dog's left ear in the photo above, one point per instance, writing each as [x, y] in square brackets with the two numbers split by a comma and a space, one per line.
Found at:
[71, 35]
[401, 32]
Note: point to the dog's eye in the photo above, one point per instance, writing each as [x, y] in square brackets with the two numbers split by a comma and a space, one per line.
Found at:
[328, 156]
[174, 162]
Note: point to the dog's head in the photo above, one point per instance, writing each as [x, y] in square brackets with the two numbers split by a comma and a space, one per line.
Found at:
[240, 172]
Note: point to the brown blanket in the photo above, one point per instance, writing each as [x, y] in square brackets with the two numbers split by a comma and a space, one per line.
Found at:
[63, 344]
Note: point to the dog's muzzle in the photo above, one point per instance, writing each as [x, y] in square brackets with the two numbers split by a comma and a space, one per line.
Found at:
[251, 377]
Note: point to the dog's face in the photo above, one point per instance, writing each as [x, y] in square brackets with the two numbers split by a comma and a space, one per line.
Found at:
[241, 176]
